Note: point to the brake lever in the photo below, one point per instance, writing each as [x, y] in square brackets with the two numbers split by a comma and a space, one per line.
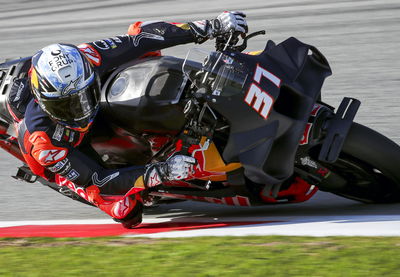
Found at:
[243, 46]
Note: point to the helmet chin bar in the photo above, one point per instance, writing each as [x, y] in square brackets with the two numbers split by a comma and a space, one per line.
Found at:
[81, 129]
[77, 127]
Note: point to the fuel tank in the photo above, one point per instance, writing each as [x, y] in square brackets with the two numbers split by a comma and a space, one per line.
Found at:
[143, 96]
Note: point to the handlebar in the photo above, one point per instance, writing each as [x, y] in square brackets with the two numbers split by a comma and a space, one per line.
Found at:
[229, 40]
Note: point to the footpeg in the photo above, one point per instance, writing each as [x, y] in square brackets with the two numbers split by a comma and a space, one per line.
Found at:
[25, 174]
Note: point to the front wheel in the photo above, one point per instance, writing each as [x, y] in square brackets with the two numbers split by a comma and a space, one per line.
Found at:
[368, 167]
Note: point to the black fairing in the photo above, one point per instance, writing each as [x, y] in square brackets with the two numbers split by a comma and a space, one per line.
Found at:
[142, 96]
[10, 71]
[266, 147]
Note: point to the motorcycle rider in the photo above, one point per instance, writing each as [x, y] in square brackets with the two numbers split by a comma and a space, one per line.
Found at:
[65, 83]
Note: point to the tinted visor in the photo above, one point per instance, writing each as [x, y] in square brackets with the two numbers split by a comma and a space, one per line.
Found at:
[75, 110]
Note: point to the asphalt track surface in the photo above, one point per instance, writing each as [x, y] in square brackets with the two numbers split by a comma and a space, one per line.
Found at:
[361, 40]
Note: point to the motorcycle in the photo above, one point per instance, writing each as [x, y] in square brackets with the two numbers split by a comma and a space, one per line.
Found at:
[255, 122]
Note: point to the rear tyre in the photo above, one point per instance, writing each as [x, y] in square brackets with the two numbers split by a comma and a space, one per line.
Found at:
[369, 167]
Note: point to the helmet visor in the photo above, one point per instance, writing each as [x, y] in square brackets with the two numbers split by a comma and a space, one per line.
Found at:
[76, 109]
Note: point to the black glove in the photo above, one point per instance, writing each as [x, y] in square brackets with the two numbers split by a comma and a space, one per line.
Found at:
[177, 167]
[224, 23]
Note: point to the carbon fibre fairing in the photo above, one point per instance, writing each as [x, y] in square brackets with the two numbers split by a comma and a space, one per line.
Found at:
[143, 96]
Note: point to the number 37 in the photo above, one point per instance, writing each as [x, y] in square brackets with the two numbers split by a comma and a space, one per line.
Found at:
[257, 98]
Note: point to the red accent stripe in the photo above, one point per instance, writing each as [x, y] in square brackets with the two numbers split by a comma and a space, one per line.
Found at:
[100, 230]
[216, 201]
[134, 29]
[243, 201]
[229, 201]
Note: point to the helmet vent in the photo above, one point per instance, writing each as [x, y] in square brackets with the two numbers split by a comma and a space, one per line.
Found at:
[65, 73]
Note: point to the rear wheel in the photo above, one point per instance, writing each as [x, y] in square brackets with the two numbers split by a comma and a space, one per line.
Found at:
[368, 167]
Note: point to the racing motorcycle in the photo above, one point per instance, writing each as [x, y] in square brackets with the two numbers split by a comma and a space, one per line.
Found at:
[255, 122]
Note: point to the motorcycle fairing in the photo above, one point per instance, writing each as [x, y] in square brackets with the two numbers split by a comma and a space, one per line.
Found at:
[9, 72]
[266, 147]
[235, 200]
[142, 96]
[210, 165]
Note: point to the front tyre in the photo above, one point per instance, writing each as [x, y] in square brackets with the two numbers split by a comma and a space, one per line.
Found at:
[369, 167]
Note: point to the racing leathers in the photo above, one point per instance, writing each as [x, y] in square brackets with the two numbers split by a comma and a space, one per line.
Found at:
[51, 149]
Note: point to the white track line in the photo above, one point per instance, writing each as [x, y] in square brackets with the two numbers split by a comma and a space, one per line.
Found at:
[384, 225]
[307, 226]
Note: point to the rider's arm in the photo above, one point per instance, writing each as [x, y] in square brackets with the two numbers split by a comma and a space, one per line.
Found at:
[79, 168]
[76, 166]
[144, 37]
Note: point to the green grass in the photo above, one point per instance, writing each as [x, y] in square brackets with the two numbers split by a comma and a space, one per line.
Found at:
[204, 256]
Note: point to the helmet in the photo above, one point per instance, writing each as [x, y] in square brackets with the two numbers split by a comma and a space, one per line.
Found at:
[65, 85]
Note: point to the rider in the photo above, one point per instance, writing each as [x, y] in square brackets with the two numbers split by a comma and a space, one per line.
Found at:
[65, 82]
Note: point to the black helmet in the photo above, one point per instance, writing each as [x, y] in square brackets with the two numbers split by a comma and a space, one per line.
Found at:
[65, 85]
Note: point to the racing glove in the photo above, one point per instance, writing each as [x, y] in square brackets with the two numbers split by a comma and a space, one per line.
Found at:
[224, 23]
[177, 167]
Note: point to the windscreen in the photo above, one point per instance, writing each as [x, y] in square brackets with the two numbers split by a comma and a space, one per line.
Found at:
[214, 72]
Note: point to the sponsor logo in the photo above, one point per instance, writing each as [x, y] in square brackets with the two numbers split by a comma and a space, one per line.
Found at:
[154, 179]
[73, 85]
[106, 44]
[51, 156]
[102, 182]
[228, 60]
[59, 61]
[72, 175]
[91, 53]
[66, 169]
[308, 162]
[63, 182]
[58, 132]
[56, 52]
[57, 167]
[137, 38]
[19, 92]
[101, 44]
[257, 98]
[121, 208]
[111, 43]
[71, 137]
